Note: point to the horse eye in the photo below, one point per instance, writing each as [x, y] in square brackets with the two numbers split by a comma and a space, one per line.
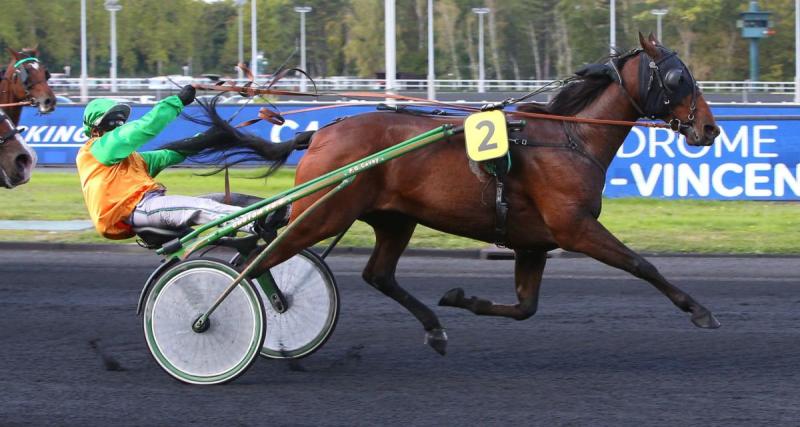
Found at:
[47, 75]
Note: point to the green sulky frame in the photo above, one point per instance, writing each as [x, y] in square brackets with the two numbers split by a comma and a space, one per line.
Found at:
[194, 241]
[341, 177]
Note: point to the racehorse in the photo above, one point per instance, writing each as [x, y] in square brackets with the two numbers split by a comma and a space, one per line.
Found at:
[554, 187]
[25, 80]
[17, 160]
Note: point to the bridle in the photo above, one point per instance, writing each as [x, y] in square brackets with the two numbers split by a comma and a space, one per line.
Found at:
[11, 133]
[20, 70]
[662, 84]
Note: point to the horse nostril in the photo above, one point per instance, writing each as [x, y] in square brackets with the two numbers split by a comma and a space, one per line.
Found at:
[23, 162]
[48, 101]
[711, 131]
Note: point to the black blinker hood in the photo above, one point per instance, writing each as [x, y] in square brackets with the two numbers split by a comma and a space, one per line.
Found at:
[663, 83]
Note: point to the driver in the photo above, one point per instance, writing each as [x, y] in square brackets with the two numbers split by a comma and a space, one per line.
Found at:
[117, 181]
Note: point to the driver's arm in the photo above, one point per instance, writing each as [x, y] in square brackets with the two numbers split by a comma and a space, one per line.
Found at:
[158, 160]
[115, 146]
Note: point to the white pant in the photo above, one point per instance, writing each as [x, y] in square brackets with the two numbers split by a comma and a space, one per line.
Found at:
[158, 210]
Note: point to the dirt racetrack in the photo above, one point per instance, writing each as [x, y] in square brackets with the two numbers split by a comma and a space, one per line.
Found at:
[604, 349]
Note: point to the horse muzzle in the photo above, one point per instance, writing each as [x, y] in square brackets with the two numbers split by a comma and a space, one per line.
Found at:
[18, 171]
[702, 138]
[44, 104]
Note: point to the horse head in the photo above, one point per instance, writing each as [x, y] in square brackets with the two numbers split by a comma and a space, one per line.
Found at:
[17, 160]
[662, 87]
[28, 80]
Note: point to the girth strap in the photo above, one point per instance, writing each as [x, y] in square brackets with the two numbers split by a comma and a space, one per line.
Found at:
[501, 204]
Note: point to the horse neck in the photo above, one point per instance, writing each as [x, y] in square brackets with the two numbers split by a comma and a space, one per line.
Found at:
[7, 97]
[601, 141]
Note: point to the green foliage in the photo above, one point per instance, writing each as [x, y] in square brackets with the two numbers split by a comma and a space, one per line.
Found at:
[524, 38]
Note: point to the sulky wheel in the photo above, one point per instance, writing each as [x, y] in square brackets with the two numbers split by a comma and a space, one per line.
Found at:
[234, 333]
[312, 307]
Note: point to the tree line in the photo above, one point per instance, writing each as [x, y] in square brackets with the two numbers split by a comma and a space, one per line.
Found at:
[524, 39]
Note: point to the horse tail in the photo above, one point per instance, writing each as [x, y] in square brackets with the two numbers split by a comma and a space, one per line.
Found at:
[222, 145]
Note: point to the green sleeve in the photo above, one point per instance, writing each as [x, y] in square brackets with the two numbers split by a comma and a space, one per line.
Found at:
[118, 144]
[159, 160]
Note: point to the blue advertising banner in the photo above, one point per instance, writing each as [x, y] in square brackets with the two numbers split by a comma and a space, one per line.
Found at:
[57, 136]
[756, 157]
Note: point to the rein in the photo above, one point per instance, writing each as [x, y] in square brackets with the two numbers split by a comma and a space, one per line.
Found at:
[17, 104]
[587, 120]
[276, 118]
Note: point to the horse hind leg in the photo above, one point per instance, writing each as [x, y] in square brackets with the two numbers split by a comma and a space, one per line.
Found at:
[528, 269]
[320, 225]
[597, 242]
[392, 233]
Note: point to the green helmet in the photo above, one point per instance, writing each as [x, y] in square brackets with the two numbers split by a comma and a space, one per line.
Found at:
[105, 114]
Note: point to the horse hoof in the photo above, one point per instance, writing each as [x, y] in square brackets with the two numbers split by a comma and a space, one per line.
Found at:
[437, 339]
[705, 320]
[452, 298]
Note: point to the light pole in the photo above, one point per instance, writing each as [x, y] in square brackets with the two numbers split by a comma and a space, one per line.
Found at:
[612, 31]
[240, 7]
[797, 51]
[253, 44]
[481, 72]
[659, 13]
[389, 35]
[755, 25]
[84, 73]
[113, 6]
[431, 53]
[302, 10]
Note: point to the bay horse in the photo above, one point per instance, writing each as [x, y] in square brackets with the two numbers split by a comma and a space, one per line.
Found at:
[554, 187]
[25, 79]
[17, 160]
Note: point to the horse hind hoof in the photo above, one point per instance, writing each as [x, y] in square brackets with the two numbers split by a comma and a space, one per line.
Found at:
[437, 339]
[452, 298]
[705, 320]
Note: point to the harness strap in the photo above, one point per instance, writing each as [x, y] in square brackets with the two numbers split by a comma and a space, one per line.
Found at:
[618, 78]
[227, 198]
[571, 144]
[500, 202]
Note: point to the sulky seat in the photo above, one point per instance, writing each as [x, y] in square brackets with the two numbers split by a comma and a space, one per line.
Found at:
[154, 238]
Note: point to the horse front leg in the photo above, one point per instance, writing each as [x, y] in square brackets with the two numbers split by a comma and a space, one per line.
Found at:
[586, 235]
[528, 268]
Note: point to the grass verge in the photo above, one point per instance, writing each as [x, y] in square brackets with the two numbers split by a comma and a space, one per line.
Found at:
[652, 225]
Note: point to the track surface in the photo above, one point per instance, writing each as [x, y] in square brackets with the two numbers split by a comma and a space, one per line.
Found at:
[604, 349]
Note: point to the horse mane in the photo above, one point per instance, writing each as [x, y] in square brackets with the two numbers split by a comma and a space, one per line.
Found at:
[580, 90]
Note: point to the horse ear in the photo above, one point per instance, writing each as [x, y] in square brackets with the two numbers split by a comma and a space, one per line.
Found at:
[648, 46]
[13, 53]
[652, 39]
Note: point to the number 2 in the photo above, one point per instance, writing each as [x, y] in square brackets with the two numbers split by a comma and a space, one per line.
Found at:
[487, 143]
